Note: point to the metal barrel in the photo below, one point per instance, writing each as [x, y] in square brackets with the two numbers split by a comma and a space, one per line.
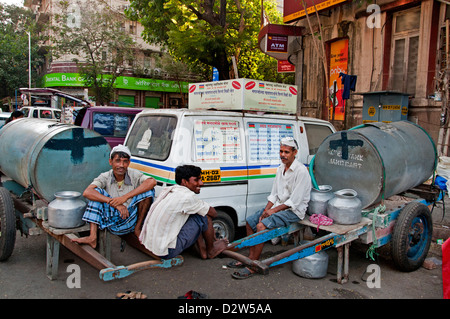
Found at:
[51, 157]
[377, 160]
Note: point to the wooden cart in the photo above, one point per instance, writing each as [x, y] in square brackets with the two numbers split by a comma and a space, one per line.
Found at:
[403, 220]
[19, 209]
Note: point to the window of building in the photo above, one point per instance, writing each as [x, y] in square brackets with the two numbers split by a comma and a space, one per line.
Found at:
[133, 27]
[405, 50]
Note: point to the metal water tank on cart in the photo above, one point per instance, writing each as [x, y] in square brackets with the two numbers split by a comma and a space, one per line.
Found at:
[377, 160]
[384, 106]
[51, 157]
[41, 158]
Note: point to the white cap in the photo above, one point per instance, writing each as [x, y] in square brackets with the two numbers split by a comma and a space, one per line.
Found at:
[120, 148]
[289, 141]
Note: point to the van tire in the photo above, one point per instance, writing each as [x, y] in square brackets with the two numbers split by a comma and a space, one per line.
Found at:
[223, 226]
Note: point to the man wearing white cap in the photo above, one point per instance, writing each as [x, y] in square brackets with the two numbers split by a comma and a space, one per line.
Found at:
[286, 204]
[118, 199]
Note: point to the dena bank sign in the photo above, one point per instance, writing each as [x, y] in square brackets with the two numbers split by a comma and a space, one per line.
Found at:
[122, 82]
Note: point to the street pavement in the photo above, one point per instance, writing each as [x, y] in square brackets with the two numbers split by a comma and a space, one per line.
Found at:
[23, 276]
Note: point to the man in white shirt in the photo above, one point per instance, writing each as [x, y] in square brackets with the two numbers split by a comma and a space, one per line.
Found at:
[286, 204]
[178, 219]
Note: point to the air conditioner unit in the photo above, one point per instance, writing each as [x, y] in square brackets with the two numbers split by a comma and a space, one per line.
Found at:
[173, 102]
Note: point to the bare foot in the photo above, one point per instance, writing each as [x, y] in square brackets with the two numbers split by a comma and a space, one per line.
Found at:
[89, 240]
[200, 247]
[218, 246]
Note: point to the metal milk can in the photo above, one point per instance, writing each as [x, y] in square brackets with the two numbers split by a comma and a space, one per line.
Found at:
[319, 200]
[345, 208]
[66, 210]
[314, 266]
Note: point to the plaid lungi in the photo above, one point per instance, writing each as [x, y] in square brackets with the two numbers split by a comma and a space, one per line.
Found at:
[106, 216]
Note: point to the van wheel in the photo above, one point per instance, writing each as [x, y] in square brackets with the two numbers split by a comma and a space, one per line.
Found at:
[223, 226]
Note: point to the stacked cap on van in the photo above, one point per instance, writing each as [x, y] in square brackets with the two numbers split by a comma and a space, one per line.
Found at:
[244, 95]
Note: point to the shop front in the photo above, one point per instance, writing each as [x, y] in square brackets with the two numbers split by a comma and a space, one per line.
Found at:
[130, 91]
[347, 50]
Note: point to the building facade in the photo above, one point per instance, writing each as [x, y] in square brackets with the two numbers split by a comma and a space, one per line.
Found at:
[143, 84]
[385, 46]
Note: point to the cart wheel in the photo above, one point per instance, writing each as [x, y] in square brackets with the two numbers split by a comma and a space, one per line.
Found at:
[7, 224]
[412, 236]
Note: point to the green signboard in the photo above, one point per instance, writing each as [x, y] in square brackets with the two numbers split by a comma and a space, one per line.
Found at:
[122, 82]
[62, 79]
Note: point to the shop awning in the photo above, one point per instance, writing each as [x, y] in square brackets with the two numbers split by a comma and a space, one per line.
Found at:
[293, 9]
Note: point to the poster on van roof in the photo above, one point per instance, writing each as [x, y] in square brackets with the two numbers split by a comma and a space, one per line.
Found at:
[243, 95]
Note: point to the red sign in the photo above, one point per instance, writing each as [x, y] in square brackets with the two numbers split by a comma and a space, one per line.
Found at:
[293, 9]
[293, 90]
[236, 85]
[338, 64]
[250, 85]
[285, 67]
[277, 43]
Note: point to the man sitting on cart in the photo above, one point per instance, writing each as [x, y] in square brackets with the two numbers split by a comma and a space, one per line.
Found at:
[119, 199]
[286, 204]
[179, 219]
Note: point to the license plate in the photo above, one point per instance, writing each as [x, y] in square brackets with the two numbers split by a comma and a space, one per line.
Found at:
[211, 175]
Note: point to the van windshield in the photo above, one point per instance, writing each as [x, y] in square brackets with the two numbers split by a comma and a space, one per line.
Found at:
[151, 137]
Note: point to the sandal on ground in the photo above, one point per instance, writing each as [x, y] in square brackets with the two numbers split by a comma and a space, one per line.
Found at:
[235, 264]
[243, 274]
[193, 295]
[131, 295]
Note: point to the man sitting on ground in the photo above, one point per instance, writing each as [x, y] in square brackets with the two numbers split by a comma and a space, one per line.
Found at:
[179, 219]
[119, 199]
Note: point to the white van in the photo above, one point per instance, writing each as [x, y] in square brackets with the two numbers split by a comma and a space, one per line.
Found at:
[43, 113]
[238, 153]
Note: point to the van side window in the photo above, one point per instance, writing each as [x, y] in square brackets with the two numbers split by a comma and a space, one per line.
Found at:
[316, 134]
[264, 140]
[45, 114]
[217, 141]
[35, 114]
[112, 124]
[151, 137]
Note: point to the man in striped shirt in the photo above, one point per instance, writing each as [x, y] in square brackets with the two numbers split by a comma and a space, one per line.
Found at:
[179, 219]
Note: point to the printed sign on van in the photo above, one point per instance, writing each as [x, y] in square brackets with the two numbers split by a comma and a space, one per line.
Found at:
[264, 140]
[217, 141]
[244, 94]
